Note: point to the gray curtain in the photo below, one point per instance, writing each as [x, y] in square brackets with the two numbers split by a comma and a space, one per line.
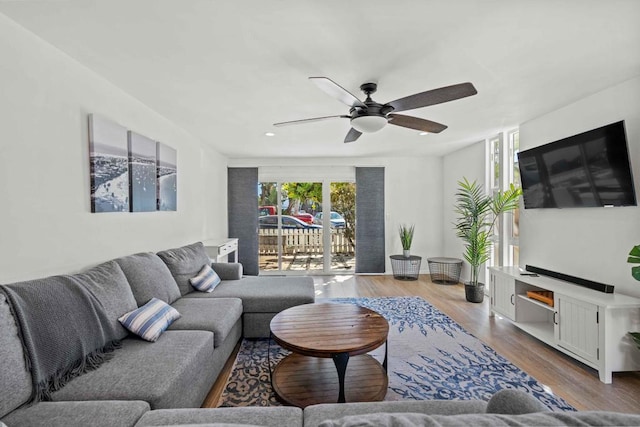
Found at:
[242, 194]
[370, 248]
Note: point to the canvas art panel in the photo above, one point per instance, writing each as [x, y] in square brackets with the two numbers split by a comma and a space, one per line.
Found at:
[109, 165]
[167, 178]
[143, 179]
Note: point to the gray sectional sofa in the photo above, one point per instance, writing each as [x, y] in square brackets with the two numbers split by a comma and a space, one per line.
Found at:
[165, 382]
[176, 371]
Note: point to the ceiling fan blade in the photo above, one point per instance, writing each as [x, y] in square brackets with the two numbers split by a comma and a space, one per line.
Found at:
[352, 135]
[415, 123]
[432, 97]
[335, 90]
[315, 119]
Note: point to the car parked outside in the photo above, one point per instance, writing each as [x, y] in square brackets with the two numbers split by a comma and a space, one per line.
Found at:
[336, 219]
[267, 210]
[271, 221]
[306, 217]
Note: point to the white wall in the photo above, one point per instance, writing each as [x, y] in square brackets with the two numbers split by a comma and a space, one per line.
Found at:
[413, 195]
[45, 217]
[467, 163]
[591, 243]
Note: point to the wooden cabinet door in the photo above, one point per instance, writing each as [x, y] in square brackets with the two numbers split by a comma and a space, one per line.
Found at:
[503, 294]
[577, 327]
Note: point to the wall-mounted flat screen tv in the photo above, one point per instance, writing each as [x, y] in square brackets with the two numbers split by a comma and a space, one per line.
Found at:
[591, 169]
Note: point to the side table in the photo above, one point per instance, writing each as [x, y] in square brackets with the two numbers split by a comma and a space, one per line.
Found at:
[405, 268]
[445, 270]
[218, 248]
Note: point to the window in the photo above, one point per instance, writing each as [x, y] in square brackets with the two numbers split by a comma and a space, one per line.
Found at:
[503, 171]
[496, 185]
[513, 217]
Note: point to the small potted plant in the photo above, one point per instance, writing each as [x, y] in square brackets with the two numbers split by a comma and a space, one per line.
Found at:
[406, 237]
[477, 216]
[634, 258]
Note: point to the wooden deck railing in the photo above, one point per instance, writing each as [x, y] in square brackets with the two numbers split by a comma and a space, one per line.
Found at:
[308, 241]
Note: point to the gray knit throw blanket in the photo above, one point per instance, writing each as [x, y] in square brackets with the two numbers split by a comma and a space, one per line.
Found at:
[64, 330]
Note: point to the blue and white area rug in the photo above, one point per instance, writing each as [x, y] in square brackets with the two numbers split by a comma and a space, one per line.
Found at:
[430, 357]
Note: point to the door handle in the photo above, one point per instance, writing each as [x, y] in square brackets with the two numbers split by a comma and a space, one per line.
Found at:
[555, 320]
[512, 297]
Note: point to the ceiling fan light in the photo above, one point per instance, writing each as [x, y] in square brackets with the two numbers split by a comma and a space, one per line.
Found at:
[368, 124]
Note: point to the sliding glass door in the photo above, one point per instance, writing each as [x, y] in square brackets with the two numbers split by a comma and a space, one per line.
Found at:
[342, 226]
[290, 240]
[299, 234]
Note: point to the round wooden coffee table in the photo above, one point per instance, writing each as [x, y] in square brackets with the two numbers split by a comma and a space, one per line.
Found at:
[324, 339]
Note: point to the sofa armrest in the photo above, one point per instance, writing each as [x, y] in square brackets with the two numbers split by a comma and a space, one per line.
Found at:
[228, 270]
[514, 402]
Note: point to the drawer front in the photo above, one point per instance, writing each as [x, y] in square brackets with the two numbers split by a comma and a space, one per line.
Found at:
[228, 247]
[215, 250]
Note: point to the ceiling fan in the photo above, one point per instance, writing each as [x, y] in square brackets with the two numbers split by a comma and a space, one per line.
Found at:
[369, 116]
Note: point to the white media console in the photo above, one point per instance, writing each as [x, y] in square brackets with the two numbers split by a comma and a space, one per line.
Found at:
[588, 325]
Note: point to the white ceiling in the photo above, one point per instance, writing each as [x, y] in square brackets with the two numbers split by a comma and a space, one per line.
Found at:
[227, 70]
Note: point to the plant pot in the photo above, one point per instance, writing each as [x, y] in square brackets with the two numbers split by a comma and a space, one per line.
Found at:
[474, 293]
[406, 253]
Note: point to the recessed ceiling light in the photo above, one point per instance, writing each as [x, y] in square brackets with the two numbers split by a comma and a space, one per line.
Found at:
[269, 134]
[423, 133]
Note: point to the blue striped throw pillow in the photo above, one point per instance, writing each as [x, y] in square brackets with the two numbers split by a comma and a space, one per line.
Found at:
[150, 320]
[206, 280]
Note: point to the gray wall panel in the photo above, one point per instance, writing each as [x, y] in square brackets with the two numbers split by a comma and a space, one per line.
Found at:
[243, 215]
[370, 246]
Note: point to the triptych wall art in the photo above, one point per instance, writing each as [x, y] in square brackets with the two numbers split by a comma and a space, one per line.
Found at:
[130, 172]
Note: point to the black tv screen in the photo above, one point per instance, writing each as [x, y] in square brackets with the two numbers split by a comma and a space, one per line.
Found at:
[591, 169]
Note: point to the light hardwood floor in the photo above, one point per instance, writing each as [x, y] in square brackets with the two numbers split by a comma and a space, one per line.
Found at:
[576, 383]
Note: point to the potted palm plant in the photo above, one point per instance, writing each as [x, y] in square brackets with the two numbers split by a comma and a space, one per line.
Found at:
[477, 217]
[406, 237]
[634, 258]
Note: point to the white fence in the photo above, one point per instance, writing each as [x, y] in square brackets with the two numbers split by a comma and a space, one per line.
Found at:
[307, 241]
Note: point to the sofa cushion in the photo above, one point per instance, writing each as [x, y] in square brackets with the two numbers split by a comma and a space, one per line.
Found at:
[184, 263]
[514, 402]
[206, 280]
[174, 372]
[110, 286]
[105, 413]
[276, 416]
[217, 315]
[228, 270]
[15, 380]
[210, 425]
[314, 415]
[151, 320]
[149, 277]
[587, 418]
[264, 294]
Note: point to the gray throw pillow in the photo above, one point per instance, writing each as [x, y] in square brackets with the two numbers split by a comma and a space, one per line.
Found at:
[149, 278]
[109, 285]
[185, 263]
